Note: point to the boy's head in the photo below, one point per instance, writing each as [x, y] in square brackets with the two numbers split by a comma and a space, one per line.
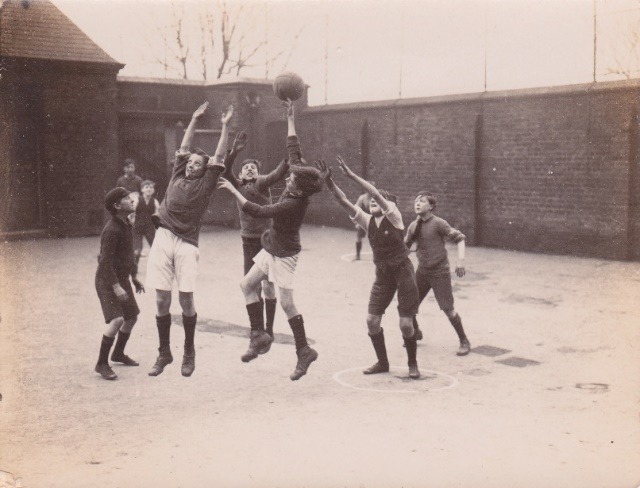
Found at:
[304, 180]
[250, 170]
[375, 209]
[119, 199]
[129, 167]
[148, 188]
[196, 164]
[424, 203]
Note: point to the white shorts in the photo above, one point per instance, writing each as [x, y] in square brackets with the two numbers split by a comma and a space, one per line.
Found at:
[279, 271]
[172, 257]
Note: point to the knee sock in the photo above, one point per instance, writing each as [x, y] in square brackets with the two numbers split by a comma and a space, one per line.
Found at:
[123, 337]
[164, 330]
[256, 319]
[189, 324]
[270, 313]
[378, 345]
[358, 249]
[412, 346]
[297, 327]
[457, 325]
[105, 347]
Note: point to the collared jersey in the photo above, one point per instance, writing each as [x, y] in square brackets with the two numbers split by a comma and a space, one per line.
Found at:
[116, 260]
[431, 251]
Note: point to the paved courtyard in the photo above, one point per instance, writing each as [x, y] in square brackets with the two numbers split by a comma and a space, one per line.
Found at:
[548, 397]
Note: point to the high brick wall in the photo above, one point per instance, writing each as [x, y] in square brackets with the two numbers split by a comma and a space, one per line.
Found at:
[546, 170]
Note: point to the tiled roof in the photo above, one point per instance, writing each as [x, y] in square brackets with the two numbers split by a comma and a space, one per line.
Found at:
[37, 29]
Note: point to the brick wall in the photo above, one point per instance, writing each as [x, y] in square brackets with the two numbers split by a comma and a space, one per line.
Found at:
[546, 170]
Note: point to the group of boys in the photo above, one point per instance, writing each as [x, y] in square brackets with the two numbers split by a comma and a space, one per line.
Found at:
[270, 235]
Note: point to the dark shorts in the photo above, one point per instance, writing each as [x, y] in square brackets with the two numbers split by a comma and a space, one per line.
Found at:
[360, 233]
[441, 284]
[111, 307]
[389, 279]
[250, 247]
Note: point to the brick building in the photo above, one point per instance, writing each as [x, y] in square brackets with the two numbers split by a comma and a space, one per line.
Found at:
[546, 170]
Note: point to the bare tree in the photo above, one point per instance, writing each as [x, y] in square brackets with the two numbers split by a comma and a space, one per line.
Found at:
[227, 42]
[626, 52]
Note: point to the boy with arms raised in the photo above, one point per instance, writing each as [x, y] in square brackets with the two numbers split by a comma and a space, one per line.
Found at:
[429, 232]
[281, 247]
[394, 271]
[255, 187]
[116, 263]
[174, 253]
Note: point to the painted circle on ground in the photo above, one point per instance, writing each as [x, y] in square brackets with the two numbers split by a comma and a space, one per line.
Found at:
[395, 381]
[368, 256]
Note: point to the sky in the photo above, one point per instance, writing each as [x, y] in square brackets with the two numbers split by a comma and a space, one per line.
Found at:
[359, 50]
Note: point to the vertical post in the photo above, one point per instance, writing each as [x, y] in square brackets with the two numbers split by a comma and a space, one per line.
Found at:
[486, 38]
[595, 39]
[326, 56]
[633, 203]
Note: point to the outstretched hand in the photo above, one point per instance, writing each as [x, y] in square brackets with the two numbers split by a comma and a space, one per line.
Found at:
[223, 183]
[200, 110]
[226, 117]
[325, 171]
[344, 168]
[240, 142]
[460, 271]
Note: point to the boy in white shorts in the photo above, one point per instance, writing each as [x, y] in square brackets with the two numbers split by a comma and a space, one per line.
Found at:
[279, 256]
[174, 253]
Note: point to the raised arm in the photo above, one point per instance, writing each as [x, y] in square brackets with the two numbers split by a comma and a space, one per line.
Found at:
[366, 186]
[335, 190]
[238, 145]
[293, 143]
[191, 128]
[218, 157]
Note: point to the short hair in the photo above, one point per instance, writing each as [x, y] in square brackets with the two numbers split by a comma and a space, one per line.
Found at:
[387, 195]
[147, 183]
[308, 179]
[250, 161]
[204, 155]
[129, 162]
[429, 196]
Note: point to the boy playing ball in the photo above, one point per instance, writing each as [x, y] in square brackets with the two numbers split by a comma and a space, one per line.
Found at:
[429, 232]
[394, 271]
[116, 264]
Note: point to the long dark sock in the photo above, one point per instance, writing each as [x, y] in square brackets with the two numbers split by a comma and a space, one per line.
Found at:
[164, 330]
[358, 249]
[256, 319]
[297, 326]
[412, 347]
[457, 325]
[105, 347]
[123, 337]
[379, 346]
[270, 313]
[189, 324]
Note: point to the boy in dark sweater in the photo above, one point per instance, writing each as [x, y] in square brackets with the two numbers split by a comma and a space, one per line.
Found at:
[429, 232]
[394, 271]
[174, 253]
[116, 264]
[281, 248]
[255, 187]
